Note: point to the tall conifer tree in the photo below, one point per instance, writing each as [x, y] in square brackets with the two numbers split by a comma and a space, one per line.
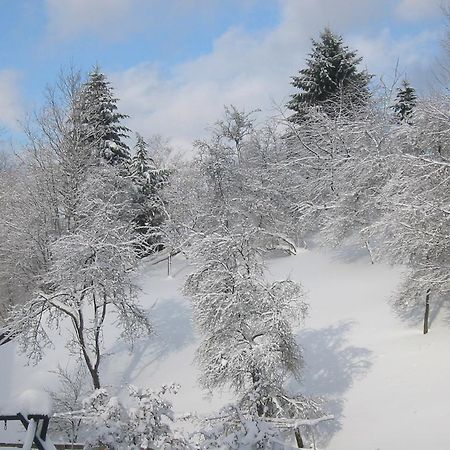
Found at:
[102, 119]
[148, 180]
[331, 79]
[405, 101]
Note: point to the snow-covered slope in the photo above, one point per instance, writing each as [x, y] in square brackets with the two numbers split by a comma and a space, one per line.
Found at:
[386, 383]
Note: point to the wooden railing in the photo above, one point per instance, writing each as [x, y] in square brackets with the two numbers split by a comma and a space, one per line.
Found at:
[36, 426]
[58, 446]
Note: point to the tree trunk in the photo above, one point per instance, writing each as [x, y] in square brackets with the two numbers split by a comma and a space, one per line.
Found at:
[259, 404]
[95, 379]
[298, 438]
[93, 371]
[369, 250]
[427, 312]
[169, 265]
[93, 368]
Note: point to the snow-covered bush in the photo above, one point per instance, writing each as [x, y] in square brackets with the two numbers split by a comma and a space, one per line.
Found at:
[236, 429]
[67, 397]
[141, 421]
[240, 426]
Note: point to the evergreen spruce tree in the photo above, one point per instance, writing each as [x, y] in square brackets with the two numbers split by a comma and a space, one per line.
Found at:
[102, 120]
[148, 180]
[331, 79]
[405, 101]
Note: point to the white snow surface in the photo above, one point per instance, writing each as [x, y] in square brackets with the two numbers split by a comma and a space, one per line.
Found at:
[387, 384]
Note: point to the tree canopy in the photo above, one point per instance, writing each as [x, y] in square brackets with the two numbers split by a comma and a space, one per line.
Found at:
[331, 78]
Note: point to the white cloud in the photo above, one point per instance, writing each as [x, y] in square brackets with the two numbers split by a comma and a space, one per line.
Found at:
[254, 71]
[104, 18]
[116, 19]
[240, 70]
[11, 106]
[412, 10]
[415, 56]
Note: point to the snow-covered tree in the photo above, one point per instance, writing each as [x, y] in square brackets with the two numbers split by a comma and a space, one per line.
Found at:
[32, 200]
[88, 242]
[141, 421]
[405, 101]
[102, 121]
[27, 227]
[7, 162]
[35, 207]
[221, 161]
[246, 323]
[233, 179]
[359, 169]
[148, 181]
[415, 225]
[89, 276]
[331, 79]
[227, 210]
[386, 181]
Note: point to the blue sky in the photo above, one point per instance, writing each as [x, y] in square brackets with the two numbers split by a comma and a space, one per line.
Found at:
[175, 63]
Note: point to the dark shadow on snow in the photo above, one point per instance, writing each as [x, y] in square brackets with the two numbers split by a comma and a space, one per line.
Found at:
[445, 308]
[351, 253]
[331, 367]
[173, 330]
[412, 311]
[348, 250]
[183, 270]
[439, 306]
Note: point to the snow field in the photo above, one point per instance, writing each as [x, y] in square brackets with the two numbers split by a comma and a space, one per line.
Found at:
[385, 382]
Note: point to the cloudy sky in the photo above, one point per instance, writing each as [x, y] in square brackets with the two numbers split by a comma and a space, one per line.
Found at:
[175, 63]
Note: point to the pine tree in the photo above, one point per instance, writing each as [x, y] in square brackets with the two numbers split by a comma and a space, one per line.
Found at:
[330, 80]
[102, 121]
[143, 168]
[148, 180]
[406, 100]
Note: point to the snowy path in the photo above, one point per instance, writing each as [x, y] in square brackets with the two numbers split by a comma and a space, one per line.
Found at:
[387, 383]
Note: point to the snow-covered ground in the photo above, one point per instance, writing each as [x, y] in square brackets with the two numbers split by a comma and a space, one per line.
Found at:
[386, 383]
